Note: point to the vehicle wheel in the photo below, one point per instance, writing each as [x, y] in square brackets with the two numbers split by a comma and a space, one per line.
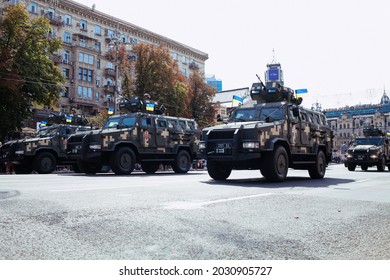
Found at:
[351, 166]
[275, 166]
[22, 169]
[364, 167]
[182, 162]
[88, 167]
[382, 164]
[218, 171]
[317, 171]
[45, 163]
[123, 161]
[150, 167]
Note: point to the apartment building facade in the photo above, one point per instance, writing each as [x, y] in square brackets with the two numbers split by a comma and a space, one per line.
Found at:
[87, 35]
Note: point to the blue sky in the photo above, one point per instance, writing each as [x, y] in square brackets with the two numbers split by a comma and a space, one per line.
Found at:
[338, 49]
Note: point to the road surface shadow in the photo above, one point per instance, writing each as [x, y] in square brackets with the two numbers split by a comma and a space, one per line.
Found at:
[290, 182]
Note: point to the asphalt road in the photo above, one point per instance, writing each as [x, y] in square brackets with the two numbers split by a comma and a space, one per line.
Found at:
[167, 216]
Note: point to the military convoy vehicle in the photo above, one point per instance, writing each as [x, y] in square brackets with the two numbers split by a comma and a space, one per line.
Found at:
[373, 149]
[141, 135]
[273, 135]
[45, 151]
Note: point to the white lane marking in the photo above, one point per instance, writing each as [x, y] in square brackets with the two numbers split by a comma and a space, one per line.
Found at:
[92, 189]
[194, 205]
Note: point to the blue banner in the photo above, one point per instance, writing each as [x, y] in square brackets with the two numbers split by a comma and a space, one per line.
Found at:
[301, 91]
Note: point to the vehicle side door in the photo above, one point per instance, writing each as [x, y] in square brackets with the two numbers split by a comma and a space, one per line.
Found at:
[162, 133]
[147, 133]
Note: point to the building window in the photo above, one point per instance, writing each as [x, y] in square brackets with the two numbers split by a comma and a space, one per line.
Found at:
[84, 92]
[66, 56]
[110, 65]
[97, 97]
[33, 8]
[68, 20]
[85, 74]
[98, 80]
[98, 64]
[65, 93]
[174, 56]
[184, 59]
[83, 24]
[67, 37]
[98, 30]
[66, 72]
[86, 58]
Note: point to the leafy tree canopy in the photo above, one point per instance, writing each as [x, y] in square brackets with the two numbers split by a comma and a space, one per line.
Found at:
[27, 74]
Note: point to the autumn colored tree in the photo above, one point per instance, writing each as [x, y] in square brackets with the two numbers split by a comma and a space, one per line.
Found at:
[27, 74]
[158, 75]
[99, 120]
[121, 55]
[199, 100]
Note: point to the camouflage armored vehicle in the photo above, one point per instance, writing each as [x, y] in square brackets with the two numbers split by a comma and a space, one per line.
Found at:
[273, 135]
[149, 139]
[45, 151]
[370, 150]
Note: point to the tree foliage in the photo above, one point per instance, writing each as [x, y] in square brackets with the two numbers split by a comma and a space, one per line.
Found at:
[199, 100]
[27, 74]
[158, 75]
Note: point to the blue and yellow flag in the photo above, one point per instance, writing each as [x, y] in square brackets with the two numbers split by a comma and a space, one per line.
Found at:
[110, 111]
[149, 107]
[43, 123]
[237, 100]
[68, 119]
[300, 92]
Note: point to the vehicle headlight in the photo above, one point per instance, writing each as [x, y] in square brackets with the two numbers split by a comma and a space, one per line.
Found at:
[251, 145]
[95, 147]
[374, 156]
[202, 145]
[20, 152]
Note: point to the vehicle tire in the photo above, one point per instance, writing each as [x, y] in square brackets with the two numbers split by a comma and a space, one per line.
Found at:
[88, 167]
[275, 165]
[22, 169]
[182, 162]
[364, 167]
[317, 171]
[218, 171]
[150, 167]
[382, 164]
[123, 161]
[351, 166]
[45, 163]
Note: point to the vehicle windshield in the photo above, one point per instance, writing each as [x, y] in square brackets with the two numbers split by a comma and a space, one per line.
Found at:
[112, 122]
[369, 141]
[48, 131]
[244, 115]
[272, 113]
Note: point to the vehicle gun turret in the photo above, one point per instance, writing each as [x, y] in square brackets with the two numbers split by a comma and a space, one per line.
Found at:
[273, 92]
[138, 104]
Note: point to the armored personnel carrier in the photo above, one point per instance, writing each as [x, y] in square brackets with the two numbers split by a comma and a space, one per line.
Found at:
[45, 151]
[141, 135]
[370, 150]
[273, 135]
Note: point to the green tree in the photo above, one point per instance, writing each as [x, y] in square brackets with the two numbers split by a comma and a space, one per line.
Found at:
[157, 74]
[199, 100]
[27, 74]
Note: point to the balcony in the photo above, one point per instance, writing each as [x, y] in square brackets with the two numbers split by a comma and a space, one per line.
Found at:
[82, 101]
[109, 89]
[110, 72]
[55, 20]
[86, 46]
[59, 60]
